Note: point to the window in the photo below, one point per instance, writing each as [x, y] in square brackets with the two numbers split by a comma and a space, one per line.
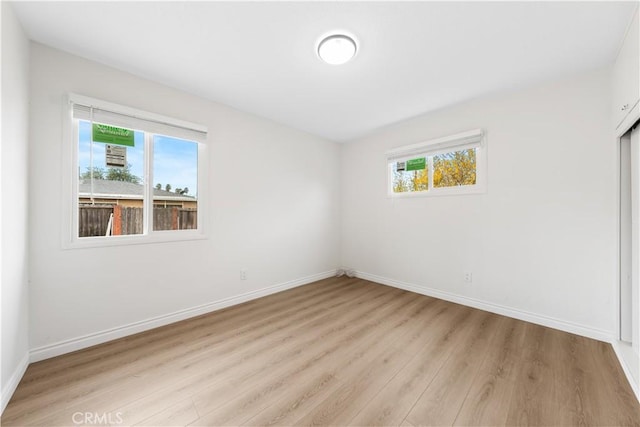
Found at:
[136, 177]
[449, 165]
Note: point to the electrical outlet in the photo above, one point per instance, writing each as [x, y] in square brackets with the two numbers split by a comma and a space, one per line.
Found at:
[243, 274]
[468, 277]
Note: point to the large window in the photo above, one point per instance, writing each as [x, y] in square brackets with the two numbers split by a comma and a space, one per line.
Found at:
[136, 177]
[449, 165]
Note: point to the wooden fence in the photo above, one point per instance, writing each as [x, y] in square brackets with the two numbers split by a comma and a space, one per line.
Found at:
[95, 220]
[127, 221]
[174, 218]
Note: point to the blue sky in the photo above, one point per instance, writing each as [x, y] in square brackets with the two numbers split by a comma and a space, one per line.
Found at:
[175, 161]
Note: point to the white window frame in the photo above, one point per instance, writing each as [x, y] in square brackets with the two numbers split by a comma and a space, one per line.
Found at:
[475, 138]
[70, 239]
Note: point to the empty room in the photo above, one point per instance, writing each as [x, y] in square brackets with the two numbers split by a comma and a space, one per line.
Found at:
[320, 213]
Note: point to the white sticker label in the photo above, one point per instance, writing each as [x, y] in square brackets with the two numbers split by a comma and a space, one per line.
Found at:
[116, 156]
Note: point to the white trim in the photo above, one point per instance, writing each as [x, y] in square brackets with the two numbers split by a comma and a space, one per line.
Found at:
[147, 202]
[136, 114]
[629, 119]
[69, 175]
[551, 322]
[459, 141]
[618, 209]
[635, 387]
[158, 236]
[615, 342]
[12, 384]
[89, 340]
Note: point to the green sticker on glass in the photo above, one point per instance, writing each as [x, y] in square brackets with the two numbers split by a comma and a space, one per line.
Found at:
[113, 135]
[416, 164]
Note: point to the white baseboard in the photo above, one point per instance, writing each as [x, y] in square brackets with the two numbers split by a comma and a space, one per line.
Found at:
[563, 325]
[624, 362]
[67, 346]
[12, 384]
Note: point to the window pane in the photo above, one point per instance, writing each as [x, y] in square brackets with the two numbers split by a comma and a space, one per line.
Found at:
[411, 175]
[175, 195]
[111, 187]
[455, 169]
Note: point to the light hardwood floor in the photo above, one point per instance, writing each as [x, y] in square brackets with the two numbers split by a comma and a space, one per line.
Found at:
[336, 352]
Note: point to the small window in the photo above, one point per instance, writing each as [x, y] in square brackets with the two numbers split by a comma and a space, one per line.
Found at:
[448, 165]
[135, 175]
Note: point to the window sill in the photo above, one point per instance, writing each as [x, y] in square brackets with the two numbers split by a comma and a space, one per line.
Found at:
[155, 238]
[438, 192]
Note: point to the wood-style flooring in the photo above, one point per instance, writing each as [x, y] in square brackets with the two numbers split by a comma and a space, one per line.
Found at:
[336, 352]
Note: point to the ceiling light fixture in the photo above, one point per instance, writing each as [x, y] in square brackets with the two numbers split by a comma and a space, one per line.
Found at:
[337, 49]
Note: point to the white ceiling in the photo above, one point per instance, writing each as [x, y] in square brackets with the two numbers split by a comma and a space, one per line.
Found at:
[260, 57]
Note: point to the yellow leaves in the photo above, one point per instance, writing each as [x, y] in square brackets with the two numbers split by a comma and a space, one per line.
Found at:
[454, 169]
[404, 181]
[449, 170]
[420, 180]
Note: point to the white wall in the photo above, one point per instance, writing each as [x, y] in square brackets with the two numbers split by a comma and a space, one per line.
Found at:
[14, 190]
[541, 243]
[273, 193]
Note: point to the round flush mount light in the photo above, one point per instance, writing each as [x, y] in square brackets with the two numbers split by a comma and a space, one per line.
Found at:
[337, 49]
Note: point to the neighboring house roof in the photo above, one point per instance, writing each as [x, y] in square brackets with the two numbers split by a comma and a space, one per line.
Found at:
[106, 189]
